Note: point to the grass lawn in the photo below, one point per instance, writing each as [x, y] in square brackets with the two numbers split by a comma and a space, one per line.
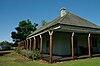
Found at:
[13, 59]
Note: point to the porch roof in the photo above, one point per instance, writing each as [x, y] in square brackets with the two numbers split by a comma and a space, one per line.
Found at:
[71, 20]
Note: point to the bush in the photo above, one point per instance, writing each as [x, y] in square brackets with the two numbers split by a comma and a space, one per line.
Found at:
[29, 54]
[23, 52]
[17, 50]
[35, 54]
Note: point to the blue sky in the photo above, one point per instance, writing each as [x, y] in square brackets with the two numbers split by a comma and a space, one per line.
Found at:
[13, 11]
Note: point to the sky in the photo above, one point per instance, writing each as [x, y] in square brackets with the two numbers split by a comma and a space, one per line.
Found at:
[13, 11]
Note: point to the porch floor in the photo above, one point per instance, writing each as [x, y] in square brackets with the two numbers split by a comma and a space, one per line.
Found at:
[57, 58]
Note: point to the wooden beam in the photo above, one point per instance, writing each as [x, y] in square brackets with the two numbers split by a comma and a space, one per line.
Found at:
[89, 45]
[40, 47]
[72, 41]
[34, 43]
[50, 33]
[30, 43]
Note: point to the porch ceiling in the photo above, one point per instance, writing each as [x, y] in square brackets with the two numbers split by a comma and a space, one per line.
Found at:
[67, 28]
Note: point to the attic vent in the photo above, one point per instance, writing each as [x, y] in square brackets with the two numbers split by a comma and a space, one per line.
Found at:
[63, 11]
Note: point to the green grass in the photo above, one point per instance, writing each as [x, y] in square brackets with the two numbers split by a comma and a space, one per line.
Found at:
[14, 59]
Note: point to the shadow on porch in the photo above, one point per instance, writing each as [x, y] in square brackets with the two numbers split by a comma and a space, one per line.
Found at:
[57, 58]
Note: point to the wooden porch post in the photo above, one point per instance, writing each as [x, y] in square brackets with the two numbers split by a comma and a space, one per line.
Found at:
[27, 43]
[72, 41]
[18, 44]
[30, 43]
[89, 45]
[40, 47]
[22, 43]
[34, 43]
[50, 33]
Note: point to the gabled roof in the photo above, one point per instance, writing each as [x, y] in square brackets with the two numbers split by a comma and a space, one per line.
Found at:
[69, 19]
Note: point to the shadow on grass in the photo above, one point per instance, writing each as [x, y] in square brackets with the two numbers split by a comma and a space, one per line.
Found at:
[4, 53]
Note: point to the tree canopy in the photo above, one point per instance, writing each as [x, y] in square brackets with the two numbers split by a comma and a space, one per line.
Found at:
[43, 22]
[24, 28]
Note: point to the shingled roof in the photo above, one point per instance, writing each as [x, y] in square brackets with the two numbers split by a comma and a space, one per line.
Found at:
[69, 19]
[72, 19]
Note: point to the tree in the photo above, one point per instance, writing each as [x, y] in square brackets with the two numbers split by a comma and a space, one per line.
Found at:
[43, 22]
[24, 28]
[6, 43]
